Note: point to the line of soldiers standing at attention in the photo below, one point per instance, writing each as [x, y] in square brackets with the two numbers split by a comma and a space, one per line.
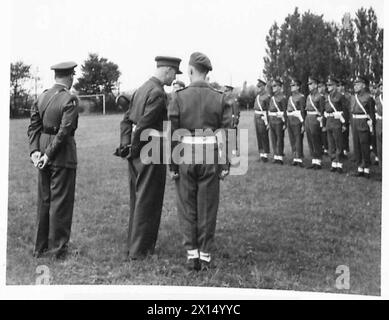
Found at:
[326, 116]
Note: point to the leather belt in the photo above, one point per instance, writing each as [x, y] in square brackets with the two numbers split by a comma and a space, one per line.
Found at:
[50, 130]
[53, 131]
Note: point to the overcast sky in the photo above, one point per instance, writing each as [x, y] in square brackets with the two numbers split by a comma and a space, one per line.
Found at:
[131, 33]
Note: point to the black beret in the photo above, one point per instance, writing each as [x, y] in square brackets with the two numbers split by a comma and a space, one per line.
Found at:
[198, 59]
[164, 61]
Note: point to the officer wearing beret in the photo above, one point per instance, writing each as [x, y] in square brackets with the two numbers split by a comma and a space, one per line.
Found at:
[334, 112]
[296, 115]
[322, 89]
[198, 107]
[314, 123]
[261, 120]
[362, 115]
[147, 110]
[277, 120]
[379, 102]
[54, 118]
[346, 133]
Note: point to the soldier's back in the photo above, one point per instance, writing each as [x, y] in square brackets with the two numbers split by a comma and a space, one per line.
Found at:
[201, 106]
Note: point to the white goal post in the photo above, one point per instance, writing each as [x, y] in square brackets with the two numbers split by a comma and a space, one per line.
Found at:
[94, 95]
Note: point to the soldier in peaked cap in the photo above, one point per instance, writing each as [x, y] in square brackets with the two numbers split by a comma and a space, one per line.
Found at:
[346, 97]
[296, 115]
[235, 111]
[198, 107]
[379, 103]
[277, 120]
[362, 115]
[373, 87]
[53, 122]
[261, 120]
[147, 110]
[322, 89]
[335, 113]
[314, 122]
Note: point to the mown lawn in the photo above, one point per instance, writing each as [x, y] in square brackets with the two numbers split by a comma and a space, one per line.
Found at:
[278, 227]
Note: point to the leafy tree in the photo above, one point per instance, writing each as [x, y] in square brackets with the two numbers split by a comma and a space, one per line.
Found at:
[347, 48]
[98, 76]
[303, 45]
[20, 72]
[369, 44]
[307, 45]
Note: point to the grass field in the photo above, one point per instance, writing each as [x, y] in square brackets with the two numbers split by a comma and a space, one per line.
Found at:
[278, 227]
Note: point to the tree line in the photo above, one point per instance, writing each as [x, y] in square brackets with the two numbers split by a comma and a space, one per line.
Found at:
[303, 45]
[98, 76]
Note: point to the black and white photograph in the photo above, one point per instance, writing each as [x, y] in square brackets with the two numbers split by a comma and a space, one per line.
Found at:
[212, 149]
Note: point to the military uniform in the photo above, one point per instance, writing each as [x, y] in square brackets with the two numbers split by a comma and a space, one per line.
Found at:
[334, 112]
[346, 132]
[199, 106]
[277, 120]
[261, 121]
[54, 118]
[296, 114]
[148, 110]
[324, 137]
[362, 115]
[231, 100]
[378, 116]
[313, 126]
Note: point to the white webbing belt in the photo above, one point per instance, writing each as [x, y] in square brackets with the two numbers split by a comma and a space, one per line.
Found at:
[360, 116]
[260, 112]
[313, 113]
[378, 117]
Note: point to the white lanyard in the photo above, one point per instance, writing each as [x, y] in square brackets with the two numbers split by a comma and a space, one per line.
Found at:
[292, 103]
[259, 104]
[360, 105]
[313, 105]
[332, 106]
[276, 105]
